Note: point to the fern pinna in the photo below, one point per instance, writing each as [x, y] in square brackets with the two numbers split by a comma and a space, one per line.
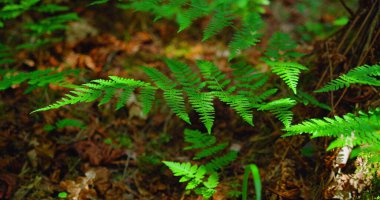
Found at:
[196, 175]
[365, 74]
[278, 55]
[38, 78]
[363, 128]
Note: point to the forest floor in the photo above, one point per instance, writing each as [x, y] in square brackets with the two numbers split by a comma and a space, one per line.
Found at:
[118, 154]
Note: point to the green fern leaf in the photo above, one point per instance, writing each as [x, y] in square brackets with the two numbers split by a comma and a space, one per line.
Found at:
[198, 139]
[218, 22]
[247, 36]
[362, 124]
[281, 46]
[91, 91]
[188, 172]
[174, 99]
[124, 96]
[360, 75]
[51, 8]
[288, 71]
[159, 78]
[197, 9]
[210, 151]
[220, 162]
[35, 79]
[147, 98]
[248, 81]
[217, 82]
[307, 98]
[281, 109]
[202, 102]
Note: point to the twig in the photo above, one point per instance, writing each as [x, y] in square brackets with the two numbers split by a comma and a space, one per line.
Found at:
[347, 8]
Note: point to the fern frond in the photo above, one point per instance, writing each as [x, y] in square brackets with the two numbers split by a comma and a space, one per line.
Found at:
[38, 78]
[288, 71]
[247, 36]
[124, 96]
[70, 122]
[91, 91]
[147, 97]
[216, 81]
[159, 78]
[51, 24]
[51, 8]
[248, 80]
[222, 161]
[363, 124]
[174, 99]
[281, 46]
[281, 109]
[307, 98]
[209, 186]
[198, 8]
[366, 75]
[183, 74]
[202, 102]
[240, 104]
[198, 139]
[188, 172]
[210, 151]
[218, 22]
[13, 10]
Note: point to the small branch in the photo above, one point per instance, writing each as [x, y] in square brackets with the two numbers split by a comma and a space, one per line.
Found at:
[347, 8]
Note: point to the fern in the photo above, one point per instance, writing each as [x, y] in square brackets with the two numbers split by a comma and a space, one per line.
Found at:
[202, 102]
[39, 78]
[222, 161]
[51, 24]
[365, 74]
[281, 109]
[197, 9]
[173, 97]
[91, 91]
[196, 175]
[198, 139]
[247, 36]
[361, 124]
[307, 99]
[5, 55]
[248, 81]
[288, 71]
[281, 47]
[210, 151]
[218, 22]
[362, 129]
[217, 82]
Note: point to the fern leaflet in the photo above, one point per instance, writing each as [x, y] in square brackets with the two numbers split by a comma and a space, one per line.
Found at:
[281, 109]
[360, 75]
[198, 139]
[288, 71]
[218, 22]
[91, 91]
[247, 36]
